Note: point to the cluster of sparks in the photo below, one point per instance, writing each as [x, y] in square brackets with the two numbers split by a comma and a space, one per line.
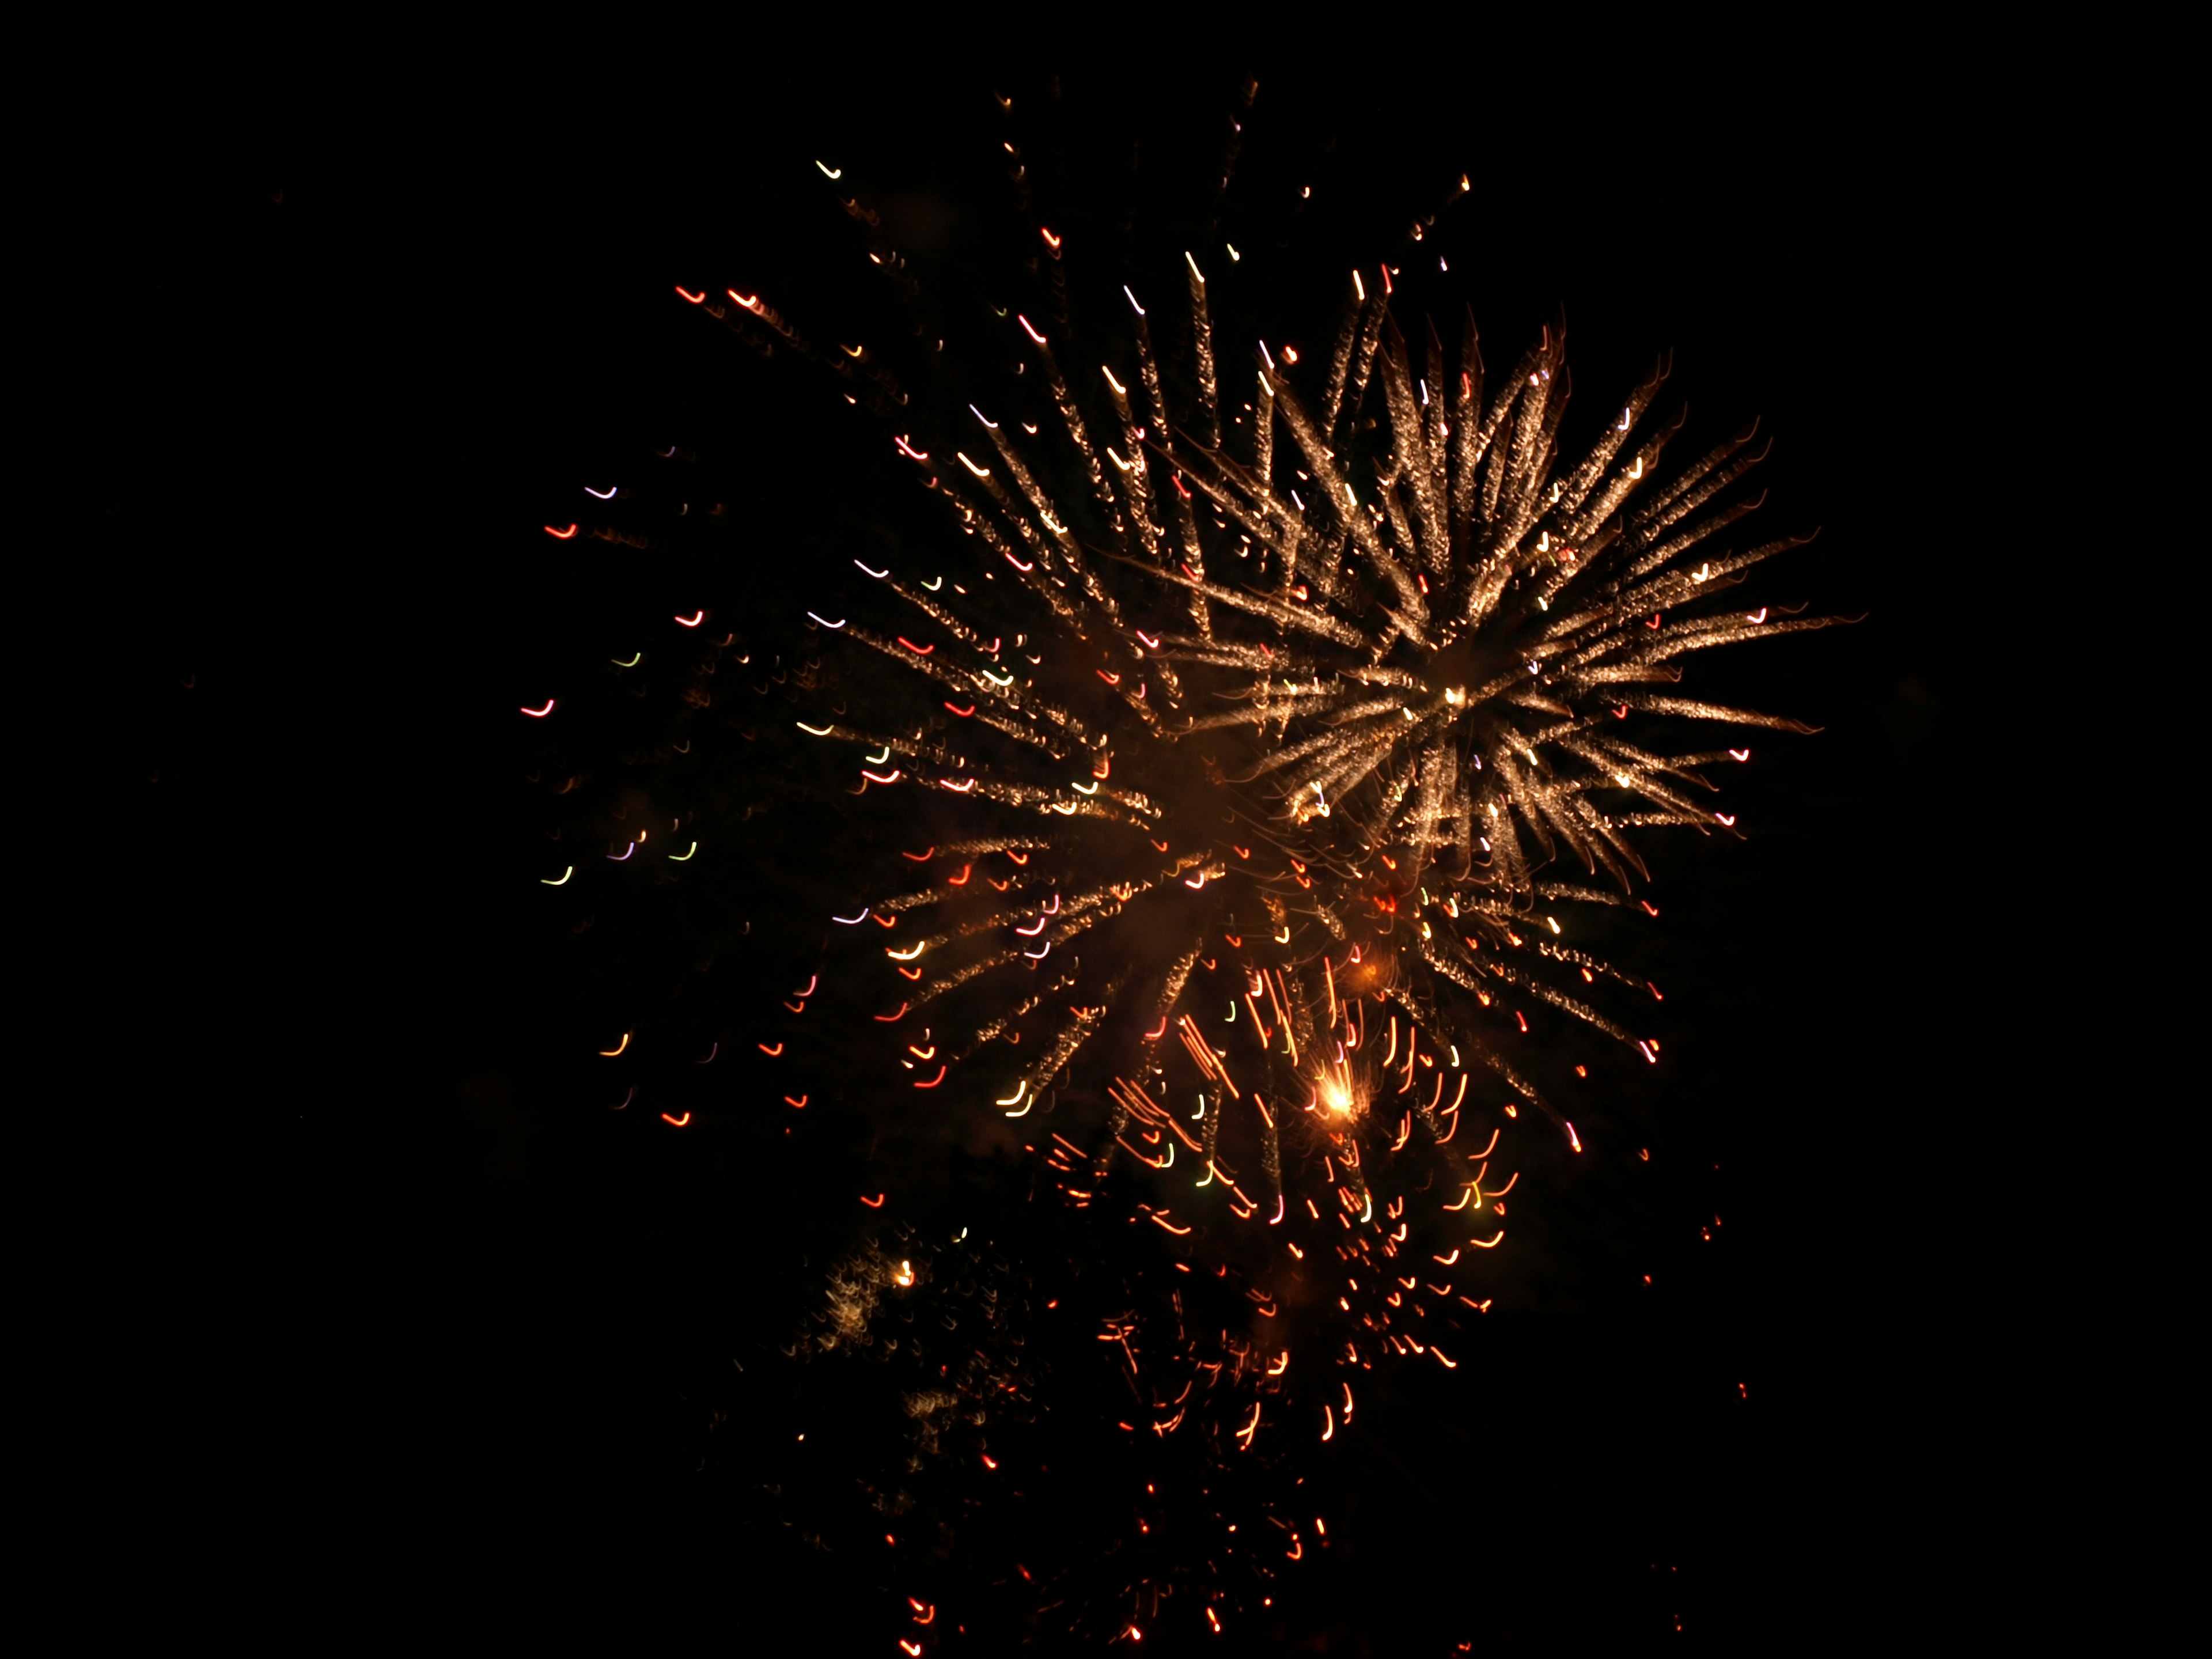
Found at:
[1272, 763]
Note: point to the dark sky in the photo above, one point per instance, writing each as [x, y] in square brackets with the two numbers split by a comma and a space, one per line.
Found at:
[389, 348]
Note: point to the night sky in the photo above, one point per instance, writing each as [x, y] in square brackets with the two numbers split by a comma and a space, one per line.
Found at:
[492, 1317]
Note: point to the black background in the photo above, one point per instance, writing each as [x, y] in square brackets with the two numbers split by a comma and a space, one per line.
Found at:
[439, 1314]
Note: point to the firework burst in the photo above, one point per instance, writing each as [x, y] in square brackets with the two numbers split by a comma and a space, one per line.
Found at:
[1270, 769]
[1272, 776]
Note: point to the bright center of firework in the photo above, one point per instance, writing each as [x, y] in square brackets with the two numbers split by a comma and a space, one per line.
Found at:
[1336, 1094]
